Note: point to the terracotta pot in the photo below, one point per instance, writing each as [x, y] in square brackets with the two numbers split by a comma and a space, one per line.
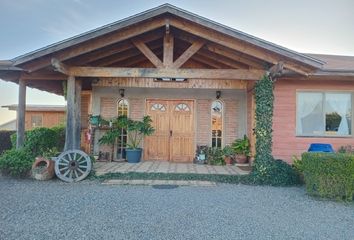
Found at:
[228, 160]
[43, 169]
[241, 158]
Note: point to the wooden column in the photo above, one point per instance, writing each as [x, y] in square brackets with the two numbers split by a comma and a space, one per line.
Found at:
[21, 112]
[70, 114]
[77, 127]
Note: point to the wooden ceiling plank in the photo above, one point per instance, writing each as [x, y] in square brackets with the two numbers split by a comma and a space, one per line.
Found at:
[115, 48]
[221, 50]
[123, 56]
[210, 62]
[148, 53]
[115, 58]
[96, 43]
[234, 56]
[134, 61]
[226, 61]
[232, 43]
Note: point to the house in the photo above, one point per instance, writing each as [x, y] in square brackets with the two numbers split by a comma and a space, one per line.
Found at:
[41, 115]
[195, 78]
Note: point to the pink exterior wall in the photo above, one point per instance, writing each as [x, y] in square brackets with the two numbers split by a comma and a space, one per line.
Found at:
[285, 142]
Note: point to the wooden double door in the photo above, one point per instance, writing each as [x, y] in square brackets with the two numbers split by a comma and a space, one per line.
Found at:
[173, 139]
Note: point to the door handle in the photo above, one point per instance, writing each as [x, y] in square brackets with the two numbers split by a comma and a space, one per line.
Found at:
[170, 133]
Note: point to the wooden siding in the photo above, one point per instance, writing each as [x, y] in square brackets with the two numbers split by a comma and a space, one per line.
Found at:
[285, 142]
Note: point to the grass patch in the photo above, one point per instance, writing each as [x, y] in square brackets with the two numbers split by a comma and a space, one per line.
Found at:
[218, 178]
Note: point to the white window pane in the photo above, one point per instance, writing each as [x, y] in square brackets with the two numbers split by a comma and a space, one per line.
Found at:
[310, 120]
[338, 113]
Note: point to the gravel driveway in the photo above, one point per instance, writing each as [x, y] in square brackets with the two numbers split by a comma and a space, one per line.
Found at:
[90, 210]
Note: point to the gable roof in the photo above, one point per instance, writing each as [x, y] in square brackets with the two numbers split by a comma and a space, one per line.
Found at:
[155, 12]
[9, 125]
[335, 62]
[39, 108]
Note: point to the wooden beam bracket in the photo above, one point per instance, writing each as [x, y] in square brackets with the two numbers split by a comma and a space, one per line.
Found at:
[276, 70]
[59, 66]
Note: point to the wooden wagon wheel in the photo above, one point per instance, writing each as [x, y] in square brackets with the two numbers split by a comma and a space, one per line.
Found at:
[73, 166]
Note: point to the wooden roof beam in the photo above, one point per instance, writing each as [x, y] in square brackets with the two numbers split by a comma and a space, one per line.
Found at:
[148, 53]
[240, 74]
[188, 53]
[168, 45]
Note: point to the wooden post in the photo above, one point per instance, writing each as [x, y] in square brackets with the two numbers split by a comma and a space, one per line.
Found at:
[21, 112]
[70, 114]
[77, 122]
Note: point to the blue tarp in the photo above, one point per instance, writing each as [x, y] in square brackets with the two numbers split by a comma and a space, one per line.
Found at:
[320, 147]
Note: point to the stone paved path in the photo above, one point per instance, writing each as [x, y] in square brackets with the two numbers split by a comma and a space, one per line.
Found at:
[165, 167]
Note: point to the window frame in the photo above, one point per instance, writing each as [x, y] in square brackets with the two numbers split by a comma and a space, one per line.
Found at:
[222, 122]
[117, 145]
[37, 115]
[323, 92]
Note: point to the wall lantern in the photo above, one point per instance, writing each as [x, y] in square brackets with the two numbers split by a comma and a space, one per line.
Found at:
[218, 94]
[121, 92]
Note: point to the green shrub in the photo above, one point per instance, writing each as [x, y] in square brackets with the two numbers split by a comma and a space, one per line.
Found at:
[298, 165]
[329, 175]
[5, 140]
[275, 173]
[16, 162]
[346, 149]
[39, 140]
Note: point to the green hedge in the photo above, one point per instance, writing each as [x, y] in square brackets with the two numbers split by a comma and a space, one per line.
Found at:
[42, 139]
[38, 142]
[329, 175]
[16, 163]
[5, 140]
[275, 173]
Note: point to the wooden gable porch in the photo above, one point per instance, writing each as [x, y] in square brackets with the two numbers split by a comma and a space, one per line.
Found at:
[162, 43]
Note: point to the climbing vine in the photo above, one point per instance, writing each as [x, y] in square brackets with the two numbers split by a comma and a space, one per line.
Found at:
[266, 169]
[264, 99]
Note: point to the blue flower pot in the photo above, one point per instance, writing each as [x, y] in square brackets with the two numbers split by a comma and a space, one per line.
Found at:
[133, 155]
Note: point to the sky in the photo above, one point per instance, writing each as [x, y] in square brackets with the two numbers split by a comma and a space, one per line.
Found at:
[308, 26]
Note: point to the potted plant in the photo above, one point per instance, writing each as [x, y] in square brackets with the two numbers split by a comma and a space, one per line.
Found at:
[228, 153]
[136, 130]
[242, 149]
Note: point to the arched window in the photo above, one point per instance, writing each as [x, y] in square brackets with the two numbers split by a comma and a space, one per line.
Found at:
[122, 110]
[123, 107]
[216, 123]
[182, 107]
[158, 107]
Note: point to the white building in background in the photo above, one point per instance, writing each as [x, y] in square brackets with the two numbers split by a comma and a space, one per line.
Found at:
[8, 126]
